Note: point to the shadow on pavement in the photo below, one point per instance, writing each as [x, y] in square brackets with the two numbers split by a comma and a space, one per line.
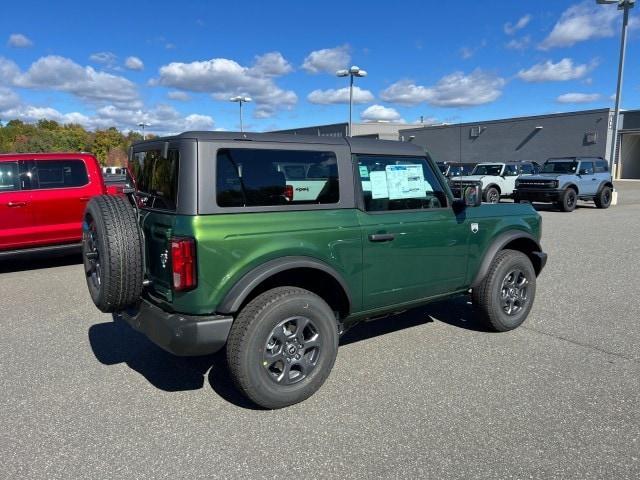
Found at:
[37, 261]
[115, 342]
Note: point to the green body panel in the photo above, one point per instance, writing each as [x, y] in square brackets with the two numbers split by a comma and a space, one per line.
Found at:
[434, 253]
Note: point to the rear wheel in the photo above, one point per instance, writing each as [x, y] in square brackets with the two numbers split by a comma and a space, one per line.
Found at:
[603, 198]
[568, 200]
[282, 346]
[505, 296]
[492, 195]
[112, 252]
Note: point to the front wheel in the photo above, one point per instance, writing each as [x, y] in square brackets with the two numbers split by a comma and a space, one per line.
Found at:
[492, 195]
[505, 296]
[568, 200]
[282, 347]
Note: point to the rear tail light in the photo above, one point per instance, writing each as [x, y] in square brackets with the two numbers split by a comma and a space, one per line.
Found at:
[288, 192]
[183, 263]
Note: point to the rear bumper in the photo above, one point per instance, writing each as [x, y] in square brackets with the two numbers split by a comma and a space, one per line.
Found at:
[538, 195]
[177, 333]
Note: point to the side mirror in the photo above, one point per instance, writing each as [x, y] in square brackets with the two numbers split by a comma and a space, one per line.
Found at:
[472, 196]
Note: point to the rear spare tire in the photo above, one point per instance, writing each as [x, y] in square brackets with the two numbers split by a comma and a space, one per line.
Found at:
[112, 251]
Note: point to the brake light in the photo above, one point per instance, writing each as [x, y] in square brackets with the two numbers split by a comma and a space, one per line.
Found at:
[288, 192]
[183, 263]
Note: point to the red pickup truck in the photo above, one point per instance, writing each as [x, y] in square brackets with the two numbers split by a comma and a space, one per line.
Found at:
[42, 200]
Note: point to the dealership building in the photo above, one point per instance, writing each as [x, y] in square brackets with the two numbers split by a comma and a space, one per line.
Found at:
[586, 133]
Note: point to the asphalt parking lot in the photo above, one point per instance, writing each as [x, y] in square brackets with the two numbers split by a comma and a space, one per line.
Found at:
[424, 394]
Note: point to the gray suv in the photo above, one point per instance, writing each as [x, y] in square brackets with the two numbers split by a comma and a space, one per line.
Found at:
[565, 180]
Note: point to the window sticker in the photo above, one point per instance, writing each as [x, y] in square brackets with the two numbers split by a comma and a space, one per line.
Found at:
[405, 181]
[364, 171]
[379, 185]
[366, 186]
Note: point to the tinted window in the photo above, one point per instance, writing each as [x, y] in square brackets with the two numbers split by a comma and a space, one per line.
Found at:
[586, 168]
[61, 173]
[601, 166]
[443, 167]
[510, 170]
[487, 170]
[258, 178]
[568, 166]
[9, 178]
[156, 178]
[399, 183]
[526, 169]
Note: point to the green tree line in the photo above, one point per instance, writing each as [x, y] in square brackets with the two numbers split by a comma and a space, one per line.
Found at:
[110, 146]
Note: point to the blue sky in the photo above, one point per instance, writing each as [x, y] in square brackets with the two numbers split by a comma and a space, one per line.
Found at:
[175, 64]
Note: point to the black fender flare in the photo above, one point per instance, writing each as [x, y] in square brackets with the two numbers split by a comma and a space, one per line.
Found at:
[605, 183]
[498, 244]
[572, 185]
[234, 298]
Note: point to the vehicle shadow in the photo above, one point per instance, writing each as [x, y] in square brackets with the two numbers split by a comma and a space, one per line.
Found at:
[34, 262]
[116, 342]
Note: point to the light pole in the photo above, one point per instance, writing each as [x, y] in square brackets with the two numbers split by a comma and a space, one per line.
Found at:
[624, 5]
[352, 72]
[143, 125]
[240, 99]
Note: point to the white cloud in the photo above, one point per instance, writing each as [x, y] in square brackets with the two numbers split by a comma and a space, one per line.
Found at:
[556, 72]
[454, 90]
[579, 98]
[582, 22]
[466, 53]
[378, 113]
[271, 64]
[223, 78]
[8, 98]
[105, 58]
[18, 40]
[9, 70]
[178, 95]
[327, 60]
[340, 95]
[134, 63]
[511, 28]
[519, 43]
[59, 73]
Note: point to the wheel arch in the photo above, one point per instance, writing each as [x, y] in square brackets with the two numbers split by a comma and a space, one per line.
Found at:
[515, 240]
[605, 183]
[494, 185]
[298, 271]
[572, 185]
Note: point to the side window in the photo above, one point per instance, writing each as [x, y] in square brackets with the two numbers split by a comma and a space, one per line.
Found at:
[9, 177]
[258, 177]
[60, 174]
[601, 166]
[399, 183]
[526, 169]
[510, 170]
[586, 168]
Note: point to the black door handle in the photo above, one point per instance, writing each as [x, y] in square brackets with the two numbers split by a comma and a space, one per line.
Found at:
[381, 237]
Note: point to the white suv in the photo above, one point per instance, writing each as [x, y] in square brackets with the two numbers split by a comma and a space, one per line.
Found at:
[497, 180]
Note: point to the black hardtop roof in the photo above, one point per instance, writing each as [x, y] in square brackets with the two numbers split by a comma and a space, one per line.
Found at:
[508, 162]
[576, 158]
[358, 145]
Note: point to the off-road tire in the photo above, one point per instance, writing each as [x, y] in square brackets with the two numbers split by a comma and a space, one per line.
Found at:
[603, 198]
[568, 200]
[487, 296]
[492, 195]
[251, 331]
[110, 230]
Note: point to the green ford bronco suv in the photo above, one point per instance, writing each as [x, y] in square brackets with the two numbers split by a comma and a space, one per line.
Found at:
[272, 245]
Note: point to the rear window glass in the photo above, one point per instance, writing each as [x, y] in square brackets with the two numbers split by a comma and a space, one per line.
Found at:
[61, 173]
[156, 178]
[9, 178]
[254, 178]
[601, 166]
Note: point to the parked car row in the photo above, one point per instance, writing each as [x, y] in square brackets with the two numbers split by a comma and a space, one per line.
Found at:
[42, 200]
[561, 181]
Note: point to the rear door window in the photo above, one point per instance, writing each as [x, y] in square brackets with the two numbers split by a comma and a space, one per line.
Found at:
[59, 174]
[9, 177]
[156, 178]
[261, 177]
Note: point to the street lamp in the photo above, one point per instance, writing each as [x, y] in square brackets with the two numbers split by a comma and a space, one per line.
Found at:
[143, 125]
[352, 72]
[240, 99]
[624, 5]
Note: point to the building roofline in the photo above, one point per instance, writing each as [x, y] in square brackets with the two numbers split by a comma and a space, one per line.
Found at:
[512, 119]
